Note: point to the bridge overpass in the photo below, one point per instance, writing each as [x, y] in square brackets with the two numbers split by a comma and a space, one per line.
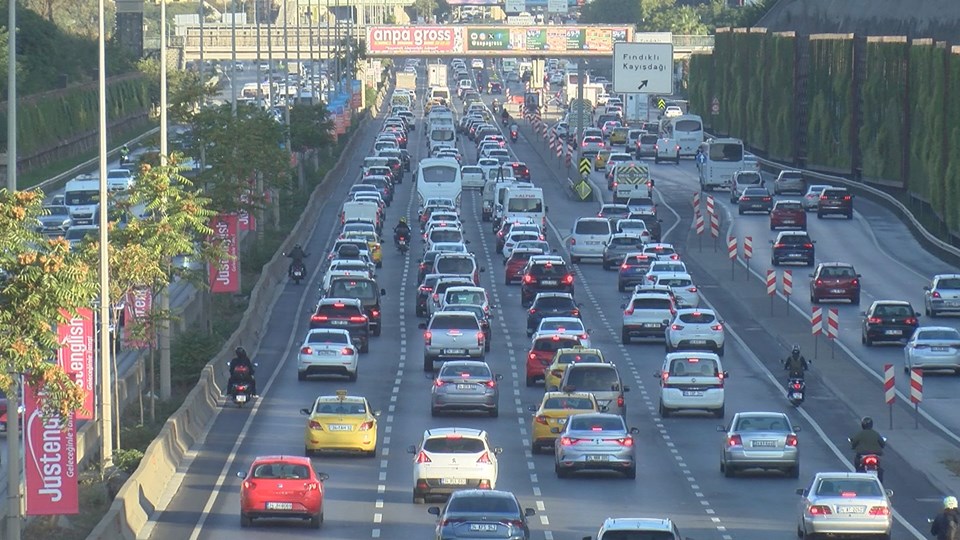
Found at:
[304, 42]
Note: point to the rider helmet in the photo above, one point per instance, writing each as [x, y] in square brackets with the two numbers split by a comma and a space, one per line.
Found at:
[866, 423]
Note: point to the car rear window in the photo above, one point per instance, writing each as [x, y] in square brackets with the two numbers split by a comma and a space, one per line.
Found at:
[652, 303]
[952, 335]
[354, 288]
[483, 505]
[572, 358]
[446, 236]
[791, 175]
[762, 423]
[648, 139]
[592, 227]
[834, 193]
[453, 445]
[592, 379]
[756, 192]
[594, 423]
[465, 297]
[454, 322]
[281, 471]
[697, 318]
[794, 239]
[626, 241]
[464, 370]
[674, 282]
[455, 265]
[637, 260]
[949, 283]
[553, 345]
[328, 337]
[338, 310]
[543, 270]
[837, 272]
[693, 367]
[789, 206]
[554, 302]
[568, 403]
[638, 535]
[844, 487]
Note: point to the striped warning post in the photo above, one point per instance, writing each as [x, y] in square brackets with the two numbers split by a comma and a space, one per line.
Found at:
[916, 385]
[788, 282]
[732, 247]
[710, 204]
[889, 389]
[559, 150]
[771, 282]
[833, 323]
[714, 225]
[748, 247]
[699, 223]
[816, 320]
[696, 199]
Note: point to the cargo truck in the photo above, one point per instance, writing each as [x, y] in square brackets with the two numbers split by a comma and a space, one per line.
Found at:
[407, 80]
[437, 75]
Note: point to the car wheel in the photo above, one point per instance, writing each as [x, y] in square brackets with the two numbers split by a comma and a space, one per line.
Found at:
[934, 313]
[301, 375]
[315, 521]
[495, 412]
[245, 521]
[530, 381]
[677, 161]
[376, 330]
[486, 346]
[794, 472]
[664, 411]
[631, 473]
[867, 341]
[561, 473]
[849, 215]
[365, 348]
[814, 299]
[307, 452]
[720, 412]
[427, 363]
[624, 337]
[667, 348]
[728, 471]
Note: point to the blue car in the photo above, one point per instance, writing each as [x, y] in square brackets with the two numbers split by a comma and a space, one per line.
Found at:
[793, 247]
[633, 270]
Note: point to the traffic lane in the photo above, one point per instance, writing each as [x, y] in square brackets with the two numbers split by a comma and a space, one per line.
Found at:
[183, 512]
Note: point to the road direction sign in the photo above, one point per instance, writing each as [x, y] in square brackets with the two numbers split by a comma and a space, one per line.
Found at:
[715, 106]
[643, 67]
[583, 190]
[585, 167]
[556, 6]
[515, 6]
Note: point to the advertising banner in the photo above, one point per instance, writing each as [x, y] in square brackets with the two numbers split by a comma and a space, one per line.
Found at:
[75, 355]
[246, 220]
[225, 274]
[556, 40]
[49, 458]
[136, 312]
[414, 40]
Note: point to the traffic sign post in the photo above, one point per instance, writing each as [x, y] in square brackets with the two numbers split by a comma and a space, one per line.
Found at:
[833, 329]
[771, 287]
[732, 253]
[816, 322]
[715, 106]
[889, 389]
[788, 287]
[748, 252]
[643, 67]
[916, 394]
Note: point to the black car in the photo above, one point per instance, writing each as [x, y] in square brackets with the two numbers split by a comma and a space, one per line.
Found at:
[835, 200]
[496, 87]
[545, 274]
[488, 513]
[550, 305]
[426, 264]
[652, 222]
[425, 292]
[363, 289]
[889, 320]
[793, 247]
[343, 314]
[755, 199]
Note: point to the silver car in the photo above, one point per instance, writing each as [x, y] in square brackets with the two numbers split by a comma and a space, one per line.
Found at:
[451, 335]
[789, 181]
[465, 385]
[844, 503]
[942, 295]
[760, 440]
[595, 441]
[933, 347]
[54, 221]
[812, 197]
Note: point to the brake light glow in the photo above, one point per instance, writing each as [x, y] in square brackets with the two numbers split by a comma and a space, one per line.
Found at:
[874, 320]
[375, 313]
[247, 484]
[568, 279]
[910, 320]
[427, 337]
[692, 289]
[306, 350]
[870, 460]
[628, 311]
[438, 383]
[619, 401]
[819, 510]
[528, 279]
[316, 426]
[358, 319]
[879, 510]
[366, 426]
[791, 440]
[676, 327]
[480, 337]
[532, 311]
[490, 384]
[734, 440]
[935, 294]
[422, 457]
[626, 441]
[541, 419]
[319, 318]
[567, 441]
[717, 327]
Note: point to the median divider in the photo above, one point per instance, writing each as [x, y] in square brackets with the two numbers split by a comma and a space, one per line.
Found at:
[139, 497]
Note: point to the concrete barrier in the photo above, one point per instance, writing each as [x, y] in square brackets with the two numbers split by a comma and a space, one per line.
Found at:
[139, 496]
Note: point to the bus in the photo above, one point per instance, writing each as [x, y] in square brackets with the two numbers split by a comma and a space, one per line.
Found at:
[686, 129]
[438, 178]
[717, 160]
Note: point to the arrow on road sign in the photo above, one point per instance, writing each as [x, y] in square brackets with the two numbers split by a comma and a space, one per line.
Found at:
[583, 190]
[643, 84]
[661, 104]
[585, 167]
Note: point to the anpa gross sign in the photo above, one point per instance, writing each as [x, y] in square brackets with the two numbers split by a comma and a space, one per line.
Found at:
[643, 67]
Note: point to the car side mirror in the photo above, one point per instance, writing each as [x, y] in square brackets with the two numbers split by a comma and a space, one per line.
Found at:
[859, 275]
[533, 408]
[587, 538]
[726, 375]
[376, 414]
[305, 412]
[889, 492]
[498, 450]
[666, 321]
[422, 326]
[796, 428]
[801, 491]
[634, 430]
[323, 477]
[241, 475]
[771, 242]
[504, 262]
[721, 429]
[498, 377]
[411, 449]
[546, 209]
[813, 241]
[529, 512]
[434, 510]
[916, 313]
[657, 374]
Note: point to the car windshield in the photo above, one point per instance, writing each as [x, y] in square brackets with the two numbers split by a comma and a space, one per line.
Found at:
[762, 423]
[938, 334]
[328, 337]
[565, 402]
[574, 358]
[483, 505]
[697, 318]
[454, 322]
[594, 423]
[453, 445]
[338, 310]
[284, 471]
[463, 371]
[693, 367]
[353, 288]
[56, 210]
[592, 379]
[848, 487]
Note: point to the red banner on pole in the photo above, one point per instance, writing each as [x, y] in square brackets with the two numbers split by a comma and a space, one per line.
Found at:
[50, 459]
[225, 273]
[136, 311]
[75, 355]
[246, 220]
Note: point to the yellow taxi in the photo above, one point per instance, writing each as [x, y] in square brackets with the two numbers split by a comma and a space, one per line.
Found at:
[619, 135]
[550, 418]
[600, 162]
[373, 243]
[341, 423]
[563, 358]
[429, 105]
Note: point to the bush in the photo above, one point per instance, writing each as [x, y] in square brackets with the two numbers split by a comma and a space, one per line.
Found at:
[127, 460]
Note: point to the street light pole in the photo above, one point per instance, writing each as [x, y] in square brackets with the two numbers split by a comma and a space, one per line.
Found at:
[12, 96]
[256, 21]
[313, 78]
[202, 66]
[106, 395]
[163, 334]
[233, 56]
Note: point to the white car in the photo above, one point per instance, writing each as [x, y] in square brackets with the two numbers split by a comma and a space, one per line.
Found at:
[635, 227]
[812, 198]
[119, 179]
[515, 237]
[667, 150]
[476, 63]
[350, 265]
[684, 290]
[692, 381]
[450, 459]
[473, 177]
[695, 329]
[489, 167]
[567, 326]
[329, 276]
[443, 219]
[450, 247]
[933, 347]
[327, 351]
[471, 296]
[662, 251]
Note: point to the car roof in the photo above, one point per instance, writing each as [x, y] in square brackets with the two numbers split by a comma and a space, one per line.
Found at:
[836, 264]
[759, 414]
[891, 303]
[793, 233]
[637, 524]
[692, 354]
[329, 301]
[443, 432]
[282, 457]
[552, 295]
[561, 394]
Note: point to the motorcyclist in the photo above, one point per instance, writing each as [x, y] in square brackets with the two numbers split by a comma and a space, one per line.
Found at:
[866, 441]
[496, 105]
[946, 526]
[504, 115]
[514, 131]
[124, 154]
[298, 255]
[241, 359]
[795, 364]
[402, 229]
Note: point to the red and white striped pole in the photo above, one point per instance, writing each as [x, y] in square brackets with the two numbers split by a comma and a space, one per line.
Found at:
[696, 201]
[710, 204]
[816, 325]
[833, 329]
[889, 389]
[788, 286]
[916, 394]
[732, 253]
[747, 252]
[715, 230]
[771, 287]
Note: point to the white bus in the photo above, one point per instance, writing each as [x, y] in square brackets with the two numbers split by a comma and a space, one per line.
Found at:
[686, 129]
[438, 178]
[717, 160]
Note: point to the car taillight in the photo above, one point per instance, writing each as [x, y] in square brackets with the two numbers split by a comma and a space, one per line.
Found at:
[532, 311]
[568, 279]
[306, 350]
[528, 279]
[480, 337]
[935, 294]
[692, 289]
[568, 441]
[628, 311]
[573, 241]
[319, 318]
[675, 257]
[346, 351]
[436, 297]
[717, 327]
[847, 197]
[484, 458]
[819, 282]
[874, 320]
[624, 266]
[315, 425]
[823, 197]
[427, 337]
[734, 440]
[676, 327]
[819, 510]
[721, 378]
[855, 283]
[426, 289]
[791, 440]
[766, 199]
[422, 457]
[366, 426]
[438, 383]
[778, 245]
[358, 319]
[879, 510]
[575, 312]
[375, 313]
[619, 401]
[808, 245]
[910, 320]
[626, 441]
[490, 384]
[541, 419]
[247, 484]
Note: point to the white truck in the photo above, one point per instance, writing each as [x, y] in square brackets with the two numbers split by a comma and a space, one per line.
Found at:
[437, 75]
[81, 197]
[525, 202]
[407, 80]
[636, 109]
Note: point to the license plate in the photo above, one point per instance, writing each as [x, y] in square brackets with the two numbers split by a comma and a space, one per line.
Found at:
[692, 393]
[939, 349]
[893, 332]
[562, 421]
[454, 481]
[325, 352]
[339, 323]
[788, 222]
[241, 398]
[698, 342]
[951, 303]
[796, 395]
[761, 444]
[596, 458]
[279, 506]
[836, 291]
[795, 255]
[454, 351]
[549, 282]
[850, 509]
[483, 527]
[651, 325]
[466, 386]
[339, 427]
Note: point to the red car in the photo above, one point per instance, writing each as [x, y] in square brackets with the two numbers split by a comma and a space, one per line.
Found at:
[542, 351]
[281, 487]
[835, 281]
[513, 268]
[521, 171]
[788, 214]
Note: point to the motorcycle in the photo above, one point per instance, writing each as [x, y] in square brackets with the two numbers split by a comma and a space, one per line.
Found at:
[297, 272]
[870, 463]
[796, 390]
[403, 243]
[241, 390]
[650, 188]
[513, 134]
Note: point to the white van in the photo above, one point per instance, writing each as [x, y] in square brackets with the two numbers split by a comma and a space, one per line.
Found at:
[81, 197]
[525, 202]
[692, 380]
[361, 211]
[440, 93]
[499, 198]
[588, 238]
[438, 178]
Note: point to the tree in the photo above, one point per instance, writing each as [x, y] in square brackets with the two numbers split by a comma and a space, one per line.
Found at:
[41, 277]
[185, 90]
[310, 127]
[425, 8]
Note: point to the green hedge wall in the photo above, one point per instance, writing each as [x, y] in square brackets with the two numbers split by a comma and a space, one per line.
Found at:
[829, 93]
[737, 84]
[884, 88]
[925, 176]
[701, 94]
[952, 173]
[722, 67]
[779, 100]
[755, 123]
[47, 120]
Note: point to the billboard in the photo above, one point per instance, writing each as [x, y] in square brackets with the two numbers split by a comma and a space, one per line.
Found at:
[225, 273]
[136, 311]
[75, 355]
[474, 2]
[556, 41]
[49, 458]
